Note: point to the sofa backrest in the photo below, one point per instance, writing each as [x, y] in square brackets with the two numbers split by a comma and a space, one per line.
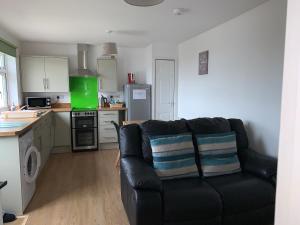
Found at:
[130, 141]
[134, 139]
[237, 125]
[220, 125]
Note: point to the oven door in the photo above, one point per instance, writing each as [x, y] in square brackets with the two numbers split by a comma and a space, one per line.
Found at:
[84, 122]
[85, 139]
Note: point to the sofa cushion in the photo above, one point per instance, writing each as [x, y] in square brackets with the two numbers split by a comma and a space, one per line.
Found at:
[218, 154]
[174, 156]
[242, 192]
[155, 127]
[190, 199]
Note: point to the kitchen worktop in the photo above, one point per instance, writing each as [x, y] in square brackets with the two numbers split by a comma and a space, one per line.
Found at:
[61, 107]
[16, 131]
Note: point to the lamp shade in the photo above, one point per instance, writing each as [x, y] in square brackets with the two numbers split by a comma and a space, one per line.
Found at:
[144, 2]
[109, 48]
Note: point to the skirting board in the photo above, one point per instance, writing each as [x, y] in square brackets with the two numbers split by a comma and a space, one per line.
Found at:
[108, 146]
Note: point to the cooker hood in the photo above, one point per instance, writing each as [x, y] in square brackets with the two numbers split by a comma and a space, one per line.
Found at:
[82, 54]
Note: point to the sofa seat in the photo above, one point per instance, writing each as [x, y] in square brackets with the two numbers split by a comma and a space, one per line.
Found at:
[242, 193]
[191, 199]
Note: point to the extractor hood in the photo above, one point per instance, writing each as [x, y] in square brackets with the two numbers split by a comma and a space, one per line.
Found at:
[82, 54]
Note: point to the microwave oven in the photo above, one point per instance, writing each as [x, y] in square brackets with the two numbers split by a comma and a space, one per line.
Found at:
[38, 102]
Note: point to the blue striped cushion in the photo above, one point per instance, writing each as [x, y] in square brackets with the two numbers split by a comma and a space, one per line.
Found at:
[174, 156]
[218, 154]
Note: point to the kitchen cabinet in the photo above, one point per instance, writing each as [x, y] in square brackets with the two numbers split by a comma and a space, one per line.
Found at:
[107, 68]
[62, 126]
[57, 74]
[107, 131]
[43, 132]
[44, 74]
[33, 74]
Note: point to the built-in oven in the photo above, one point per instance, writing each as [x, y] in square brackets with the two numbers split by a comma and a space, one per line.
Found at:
[84, 130]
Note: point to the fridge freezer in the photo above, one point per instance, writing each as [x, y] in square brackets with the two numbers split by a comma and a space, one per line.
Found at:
[138, 101]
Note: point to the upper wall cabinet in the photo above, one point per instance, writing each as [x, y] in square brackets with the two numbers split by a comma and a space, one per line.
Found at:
[33, 74]
[107, 68]
[45, 74]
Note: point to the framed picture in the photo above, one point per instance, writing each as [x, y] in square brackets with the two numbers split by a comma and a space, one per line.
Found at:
[203, 63]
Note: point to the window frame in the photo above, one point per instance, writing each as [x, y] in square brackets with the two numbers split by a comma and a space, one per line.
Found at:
[3, 72]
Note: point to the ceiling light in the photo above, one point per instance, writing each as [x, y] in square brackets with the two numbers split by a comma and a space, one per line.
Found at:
[144, 2]
[109, 49]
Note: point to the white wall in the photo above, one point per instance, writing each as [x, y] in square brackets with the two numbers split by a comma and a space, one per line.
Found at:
[245, 73]
[288, 178]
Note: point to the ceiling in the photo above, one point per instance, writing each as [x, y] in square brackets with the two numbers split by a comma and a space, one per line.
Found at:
[77, 21]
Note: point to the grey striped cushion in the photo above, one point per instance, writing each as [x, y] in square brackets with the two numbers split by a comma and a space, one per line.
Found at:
[218, 154]
[174, 156]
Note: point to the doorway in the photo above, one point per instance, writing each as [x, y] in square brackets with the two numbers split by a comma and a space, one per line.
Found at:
[164, 89]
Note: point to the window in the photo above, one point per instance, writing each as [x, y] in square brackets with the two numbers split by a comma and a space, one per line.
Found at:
[3, 82]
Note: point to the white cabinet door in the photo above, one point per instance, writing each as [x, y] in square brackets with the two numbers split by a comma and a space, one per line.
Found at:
[33, 73]
[57, 74]
[107, 68]
[62, 129]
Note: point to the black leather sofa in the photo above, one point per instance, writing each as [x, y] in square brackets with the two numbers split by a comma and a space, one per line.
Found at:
[245, 198]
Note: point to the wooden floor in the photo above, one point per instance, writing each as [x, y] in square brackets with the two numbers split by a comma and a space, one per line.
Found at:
[78, 189]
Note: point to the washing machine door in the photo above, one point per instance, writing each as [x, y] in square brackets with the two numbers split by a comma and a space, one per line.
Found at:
[32, 163]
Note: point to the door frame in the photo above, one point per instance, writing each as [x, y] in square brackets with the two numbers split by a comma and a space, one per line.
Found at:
[288, 177]
[155, 88]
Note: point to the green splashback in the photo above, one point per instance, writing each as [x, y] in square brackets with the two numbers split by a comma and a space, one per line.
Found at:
[84, 92]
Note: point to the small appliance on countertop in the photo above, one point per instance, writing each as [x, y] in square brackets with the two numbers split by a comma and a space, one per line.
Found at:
[38, 102]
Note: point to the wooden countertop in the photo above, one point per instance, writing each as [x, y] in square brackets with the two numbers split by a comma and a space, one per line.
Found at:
[112, 109]
[16, 131]
[61, 107]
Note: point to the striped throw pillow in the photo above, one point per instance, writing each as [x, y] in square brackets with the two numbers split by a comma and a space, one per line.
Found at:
[218, 154]
[174, 156]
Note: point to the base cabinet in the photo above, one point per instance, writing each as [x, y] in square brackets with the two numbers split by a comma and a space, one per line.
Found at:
[43, 136]
[62, 131]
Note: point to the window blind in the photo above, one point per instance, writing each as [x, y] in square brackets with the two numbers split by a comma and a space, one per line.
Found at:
[8, 48]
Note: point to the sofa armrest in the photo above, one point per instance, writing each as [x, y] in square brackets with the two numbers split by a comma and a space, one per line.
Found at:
[258, 164]
[140, 175]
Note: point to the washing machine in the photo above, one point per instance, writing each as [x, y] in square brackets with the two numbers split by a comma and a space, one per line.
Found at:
[30, 162]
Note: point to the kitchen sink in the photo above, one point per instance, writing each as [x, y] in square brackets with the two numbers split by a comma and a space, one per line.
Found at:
[12, 124]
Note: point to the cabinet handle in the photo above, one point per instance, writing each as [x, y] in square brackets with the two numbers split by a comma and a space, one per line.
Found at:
[44, 83]
[109, 114]
[47, 83]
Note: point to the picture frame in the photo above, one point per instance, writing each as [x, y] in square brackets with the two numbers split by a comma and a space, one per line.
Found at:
[203, 62]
